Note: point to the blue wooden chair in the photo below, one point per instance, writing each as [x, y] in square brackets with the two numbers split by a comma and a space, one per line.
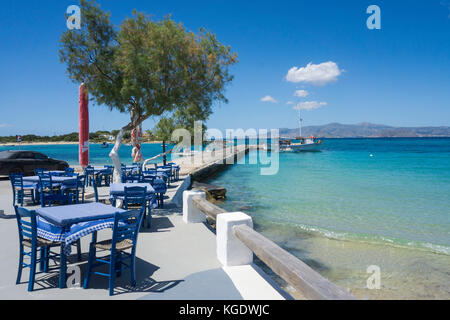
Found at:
[124, 238]
[176, 169]
[21, 190]
[104, 177]
[137, 196]
[48, 192]
[172, 172]
[69, 172]
[99, 197]
[89, 173]
[29, 240]
[39, 171]
[148, 178]
[75, 189]
[160, 190]
[110, 173]
[138, 167]
[132, 178]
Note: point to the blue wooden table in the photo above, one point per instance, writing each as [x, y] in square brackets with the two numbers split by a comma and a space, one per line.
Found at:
[55, 173]
[118, 189]
[55, 179]
[65, 217]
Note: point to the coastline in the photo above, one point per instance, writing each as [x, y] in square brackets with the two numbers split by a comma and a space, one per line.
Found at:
[16, 144]
[11, 144]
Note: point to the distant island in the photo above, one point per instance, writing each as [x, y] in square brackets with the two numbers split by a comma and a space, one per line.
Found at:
[332, 130]
[366, 130]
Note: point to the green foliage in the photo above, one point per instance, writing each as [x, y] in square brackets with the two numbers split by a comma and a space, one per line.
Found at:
[163, 130]
[147, 68]
[114, 133]
[89, 54]
[94, 137]
[127, 135]
[149, 136]
[71, 137]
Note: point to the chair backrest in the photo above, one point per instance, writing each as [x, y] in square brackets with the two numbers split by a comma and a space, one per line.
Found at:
[109, 170]
[39, 171]
[159, 185]
[133, 178]
[45, 181]
[138, 166]
[77, 181]
[16, 180]
[126, 226]
[81, 180]
[69, 172]
[89, 171]
[135, 195]
[148, 179]
[27, 229]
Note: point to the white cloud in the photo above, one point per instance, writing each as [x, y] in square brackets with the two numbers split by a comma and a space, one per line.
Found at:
[309, 105]
[289, 102]
[301, 93]
[4, 125]
[316, 74]
[269, 99]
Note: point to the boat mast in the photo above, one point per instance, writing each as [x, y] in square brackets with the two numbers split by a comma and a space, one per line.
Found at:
[300, 121]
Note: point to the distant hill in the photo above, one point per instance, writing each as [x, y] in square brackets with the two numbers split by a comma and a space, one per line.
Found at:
[366, 130]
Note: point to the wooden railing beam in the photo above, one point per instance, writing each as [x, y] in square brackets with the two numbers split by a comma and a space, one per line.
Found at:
[295, 272]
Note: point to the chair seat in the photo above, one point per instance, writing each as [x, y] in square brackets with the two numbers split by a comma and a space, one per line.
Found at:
[40, 243]
[122, 245]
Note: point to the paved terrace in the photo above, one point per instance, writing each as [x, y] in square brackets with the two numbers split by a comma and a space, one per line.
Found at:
[174, 260]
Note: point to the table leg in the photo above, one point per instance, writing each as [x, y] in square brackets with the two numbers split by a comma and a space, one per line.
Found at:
[63, 268]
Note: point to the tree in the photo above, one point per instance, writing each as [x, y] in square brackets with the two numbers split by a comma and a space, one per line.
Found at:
[147, 68]
[182, 118]
[149, 135]
[163, 131]
[114, 133]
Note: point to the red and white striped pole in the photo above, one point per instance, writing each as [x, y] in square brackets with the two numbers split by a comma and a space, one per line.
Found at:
[84, 126]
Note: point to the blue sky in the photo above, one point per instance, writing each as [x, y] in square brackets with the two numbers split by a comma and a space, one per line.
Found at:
[399, 75]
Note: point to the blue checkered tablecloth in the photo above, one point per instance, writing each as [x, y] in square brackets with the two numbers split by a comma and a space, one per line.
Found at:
[68, 236]
[67, 224]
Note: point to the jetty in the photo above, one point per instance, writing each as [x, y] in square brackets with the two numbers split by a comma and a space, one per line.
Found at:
[181, 257]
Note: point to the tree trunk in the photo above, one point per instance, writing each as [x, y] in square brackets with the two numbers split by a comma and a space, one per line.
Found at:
[114, 155]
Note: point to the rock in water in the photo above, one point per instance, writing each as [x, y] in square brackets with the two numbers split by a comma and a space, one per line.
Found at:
[212, 192]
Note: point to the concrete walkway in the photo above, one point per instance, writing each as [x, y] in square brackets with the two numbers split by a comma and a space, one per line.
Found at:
[174, 261]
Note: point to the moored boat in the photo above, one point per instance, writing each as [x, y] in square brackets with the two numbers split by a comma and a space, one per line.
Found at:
[305, 144]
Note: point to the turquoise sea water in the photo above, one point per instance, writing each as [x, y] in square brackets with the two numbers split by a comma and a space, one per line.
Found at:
[376, 194]
[97, 154]
[341, 210]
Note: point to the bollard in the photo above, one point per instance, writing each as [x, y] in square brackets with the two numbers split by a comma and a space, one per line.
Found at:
[230, 250]
[190, 213]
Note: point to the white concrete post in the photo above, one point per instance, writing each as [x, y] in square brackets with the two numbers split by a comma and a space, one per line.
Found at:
[230, 250]
[190, 212]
